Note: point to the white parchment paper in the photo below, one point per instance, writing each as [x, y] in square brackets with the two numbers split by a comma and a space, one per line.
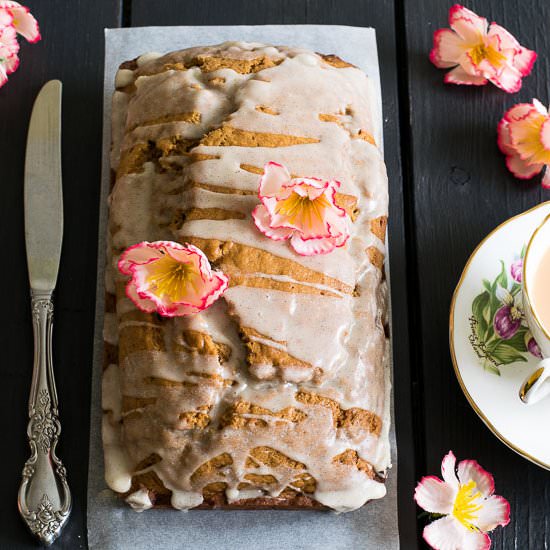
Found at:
[112, 525]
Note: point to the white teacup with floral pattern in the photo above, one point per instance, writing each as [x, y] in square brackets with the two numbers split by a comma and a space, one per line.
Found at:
[537, 384]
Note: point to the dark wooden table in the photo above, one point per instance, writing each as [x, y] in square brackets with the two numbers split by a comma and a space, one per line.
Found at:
[448, 188]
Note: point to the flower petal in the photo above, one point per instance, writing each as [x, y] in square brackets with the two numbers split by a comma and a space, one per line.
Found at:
[3, 75]
[546, 178]
[459, 76]
[448, 534]
[504, 141]
[470, 470]
[10, 64]
[139, 253]
[518, 112]
[507, 79]
[495, 511]
[545, 134]
[448, 470]
[8, 41]
[262, 219]
[310, 247]
[521, 169]
[447, 50]
[5, 18]
[143, 304]
[274, 177]
[470, 26]
[434, 495]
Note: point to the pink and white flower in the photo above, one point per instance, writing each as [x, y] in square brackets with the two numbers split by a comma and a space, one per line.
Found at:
[19, 17]
[524, 137]
[170, 278]
[465, 497]
[478, 52]
[14, 19]
[303, 210]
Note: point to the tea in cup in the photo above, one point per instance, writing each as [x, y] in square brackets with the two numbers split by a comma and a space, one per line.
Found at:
[536, 305]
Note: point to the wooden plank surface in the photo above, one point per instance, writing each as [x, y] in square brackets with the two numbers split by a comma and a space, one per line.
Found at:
[381, 16]
[71, 50]
[460, 191]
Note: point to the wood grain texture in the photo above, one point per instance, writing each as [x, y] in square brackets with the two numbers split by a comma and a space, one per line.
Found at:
[460, 190]
[71, 50]
[381, 16]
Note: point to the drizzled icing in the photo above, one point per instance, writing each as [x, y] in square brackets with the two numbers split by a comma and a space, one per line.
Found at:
[332, 331]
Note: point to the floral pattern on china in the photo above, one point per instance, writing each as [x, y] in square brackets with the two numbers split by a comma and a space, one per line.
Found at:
[499, 333]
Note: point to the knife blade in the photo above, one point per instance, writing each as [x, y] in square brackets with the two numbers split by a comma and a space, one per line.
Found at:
[44, 497]
[43, 192]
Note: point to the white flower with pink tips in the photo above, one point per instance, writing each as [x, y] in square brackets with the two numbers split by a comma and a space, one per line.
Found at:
[303, 210]
[465, 497]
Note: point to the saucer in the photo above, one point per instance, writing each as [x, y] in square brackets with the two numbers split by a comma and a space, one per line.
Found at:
[491, 347]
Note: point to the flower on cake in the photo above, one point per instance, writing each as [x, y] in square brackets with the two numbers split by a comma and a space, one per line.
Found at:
[14, 19]
[524, 137]
[303, 210]
[479, 53]
[466, 500]
[170, 278]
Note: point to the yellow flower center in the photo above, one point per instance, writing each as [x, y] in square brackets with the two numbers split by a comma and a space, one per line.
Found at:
[465, 506]
[171, 278]
[481, 51]
[303, 211]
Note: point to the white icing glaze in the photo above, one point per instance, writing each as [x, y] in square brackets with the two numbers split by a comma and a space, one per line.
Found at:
[139, 500]
[338, 334]
[184, 500]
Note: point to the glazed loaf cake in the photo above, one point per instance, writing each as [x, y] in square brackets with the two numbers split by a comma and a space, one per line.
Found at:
[278, 394]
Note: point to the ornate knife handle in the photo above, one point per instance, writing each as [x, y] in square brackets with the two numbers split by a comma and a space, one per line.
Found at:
[44, 498]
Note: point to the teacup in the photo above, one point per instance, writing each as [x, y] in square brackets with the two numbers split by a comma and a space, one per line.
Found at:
[535, 272]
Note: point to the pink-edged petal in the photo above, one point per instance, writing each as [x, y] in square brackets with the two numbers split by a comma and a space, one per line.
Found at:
[448, 470]
[506, 39]
[546, 178]
[448, 534]
[495, 511]
[507, 79]
[310, 247]
[143, 304]
[3, 75]
[522, 169]
[220, 282]
[524, 61]
[24, 23]
[139, 253]
[459, 76]
[470, 470]
[545, 134]
[5, 18]
[540, 107]
[504, 141]
[447, 50]
[274, 177]
[8, 41]
[467, 24]
[262, 219]
[475, 540]
[340, 240]
[518, 112]
[10, 64]
[434, 495]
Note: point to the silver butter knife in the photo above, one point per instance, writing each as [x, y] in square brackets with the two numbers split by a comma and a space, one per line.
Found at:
[44, 498]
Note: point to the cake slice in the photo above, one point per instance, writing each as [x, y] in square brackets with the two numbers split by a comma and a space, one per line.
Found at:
[278, 394]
